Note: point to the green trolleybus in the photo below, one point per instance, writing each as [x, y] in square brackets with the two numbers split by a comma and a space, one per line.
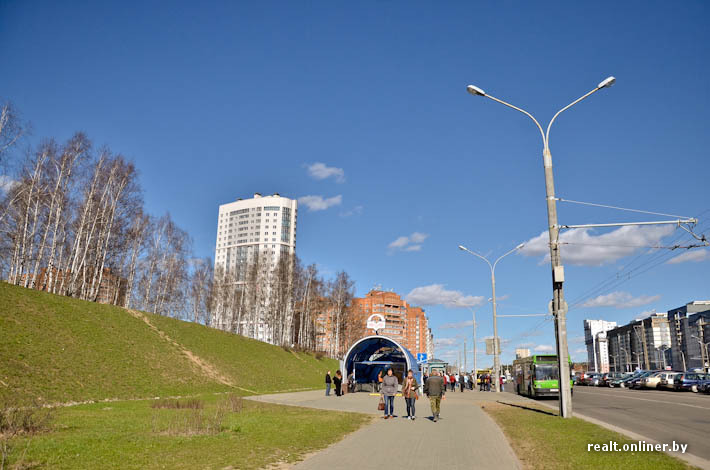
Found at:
[537, 376]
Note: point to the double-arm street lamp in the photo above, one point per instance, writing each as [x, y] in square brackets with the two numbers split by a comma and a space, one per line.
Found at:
[559, 308]
[496, 357]
[703, 351]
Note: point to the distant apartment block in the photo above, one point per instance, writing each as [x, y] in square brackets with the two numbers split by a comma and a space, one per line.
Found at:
[690, 334]
[405, 323]
[521, 353]
[596, 342]
[678, 339]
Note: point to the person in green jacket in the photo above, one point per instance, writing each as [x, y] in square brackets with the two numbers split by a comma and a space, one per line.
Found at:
[434, 388]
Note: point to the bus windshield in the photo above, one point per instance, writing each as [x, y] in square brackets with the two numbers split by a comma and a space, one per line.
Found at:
[546, 372]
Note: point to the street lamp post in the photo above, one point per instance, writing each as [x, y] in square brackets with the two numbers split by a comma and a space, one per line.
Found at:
[496, 358]
[559, 309]
[703, 351]
[628, 359]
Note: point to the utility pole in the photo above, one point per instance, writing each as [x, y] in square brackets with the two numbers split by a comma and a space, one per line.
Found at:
[475, 365]
[559, 306]
[464, 356]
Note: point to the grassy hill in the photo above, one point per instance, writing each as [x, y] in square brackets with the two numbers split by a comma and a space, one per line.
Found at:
[61, 349]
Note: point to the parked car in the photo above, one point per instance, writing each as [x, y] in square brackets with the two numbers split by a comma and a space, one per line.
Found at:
[619, 382]
[593, 379]
[610, 376]
[634, 380]
[689, 381]
[667, 379]
[651, 380]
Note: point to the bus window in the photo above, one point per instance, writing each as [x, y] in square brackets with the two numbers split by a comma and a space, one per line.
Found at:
[546, 372]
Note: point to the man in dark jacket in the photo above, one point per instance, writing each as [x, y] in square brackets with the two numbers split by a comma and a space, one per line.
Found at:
[328, 381]
[435, 389]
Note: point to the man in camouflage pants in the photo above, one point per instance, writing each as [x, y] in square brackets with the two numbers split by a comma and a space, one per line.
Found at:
[435, 389]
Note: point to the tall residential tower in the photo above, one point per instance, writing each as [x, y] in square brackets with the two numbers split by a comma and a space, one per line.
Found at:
[263, 228]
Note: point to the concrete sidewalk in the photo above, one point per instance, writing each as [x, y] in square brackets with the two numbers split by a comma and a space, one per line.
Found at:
[465, 437]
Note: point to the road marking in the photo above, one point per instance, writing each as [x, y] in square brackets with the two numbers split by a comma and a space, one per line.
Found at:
[648, 399]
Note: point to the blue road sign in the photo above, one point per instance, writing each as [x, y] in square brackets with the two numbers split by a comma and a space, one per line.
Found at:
[421, 357]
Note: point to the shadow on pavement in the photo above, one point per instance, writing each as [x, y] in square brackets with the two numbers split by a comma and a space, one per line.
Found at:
[537, 410]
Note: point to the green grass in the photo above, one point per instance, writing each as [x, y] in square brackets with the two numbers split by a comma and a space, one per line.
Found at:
[253, 365]
[542, 440]
[131, 434]
[59, 349]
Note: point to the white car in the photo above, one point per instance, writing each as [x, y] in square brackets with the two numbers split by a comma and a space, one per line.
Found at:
[667, 380]
[652, 380]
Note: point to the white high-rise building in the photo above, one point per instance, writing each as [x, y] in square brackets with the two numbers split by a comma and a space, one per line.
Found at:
[597, 354]
[263, 226]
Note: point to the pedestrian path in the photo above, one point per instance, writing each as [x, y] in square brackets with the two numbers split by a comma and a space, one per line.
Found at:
[465, 437]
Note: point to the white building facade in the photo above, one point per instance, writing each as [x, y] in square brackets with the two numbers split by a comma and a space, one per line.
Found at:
[597, 354]
[263, 228]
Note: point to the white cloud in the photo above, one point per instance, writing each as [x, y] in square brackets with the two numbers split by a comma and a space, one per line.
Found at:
[412, 242]
[526, 345]
[6, 183]
[321, 171]
[644, 314]
[436, 294]
[319, 203]
[445, 341]
[620, 299]
[694, 256]
[457, 325]
[582, 247]
[357, 210]
[545, 348]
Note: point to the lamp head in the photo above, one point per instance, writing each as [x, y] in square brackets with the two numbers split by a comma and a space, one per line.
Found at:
[474, 90]
[520, 246]
[607, 82]
[462, 248]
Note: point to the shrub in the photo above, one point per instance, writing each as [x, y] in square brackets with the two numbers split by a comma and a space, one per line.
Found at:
[20, 419]
[190, 403]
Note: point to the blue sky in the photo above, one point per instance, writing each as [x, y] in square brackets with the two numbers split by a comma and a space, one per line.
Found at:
[217, 100]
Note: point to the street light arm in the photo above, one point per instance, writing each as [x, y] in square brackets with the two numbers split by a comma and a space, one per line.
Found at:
[546, 137]
[542, 133]
[480, 256]
[511, 251]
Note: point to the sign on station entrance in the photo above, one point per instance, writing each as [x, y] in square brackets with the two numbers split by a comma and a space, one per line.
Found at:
[421, 357]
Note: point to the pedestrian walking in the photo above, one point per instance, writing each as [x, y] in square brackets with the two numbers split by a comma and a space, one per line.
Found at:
[389, 390]
[435, 389]
[337, 383]
[379, 381]
[465, 380]
[409, 392]
[351, 382]
[452, 382]
[328, 381]
[446, 379]
[461, 383]
[481, 382]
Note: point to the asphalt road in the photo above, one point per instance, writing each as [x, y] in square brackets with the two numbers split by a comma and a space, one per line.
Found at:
[664, 416]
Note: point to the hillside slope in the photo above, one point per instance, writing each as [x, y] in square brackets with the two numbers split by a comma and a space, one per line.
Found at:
[60, 349]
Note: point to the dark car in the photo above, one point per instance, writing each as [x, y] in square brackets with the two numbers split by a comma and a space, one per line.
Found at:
[636, 382]
[690, 381]
[610, 377]
[628, 381]
[619, 381]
